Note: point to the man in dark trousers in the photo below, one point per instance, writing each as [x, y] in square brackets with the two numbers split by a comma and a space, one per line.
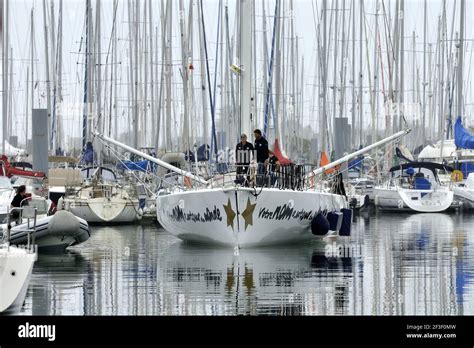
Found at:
[261, 147]
[243, 154]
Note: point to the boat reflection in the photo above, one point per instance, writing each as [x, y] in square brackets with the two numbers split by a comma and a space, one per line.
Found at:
[419, 264]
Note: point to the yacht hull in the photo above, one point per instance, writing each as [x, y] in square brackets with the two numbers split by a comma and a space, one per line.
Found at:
[464, 195]
[423, 201]
[102, 210]
[244, 217]
[16, 266]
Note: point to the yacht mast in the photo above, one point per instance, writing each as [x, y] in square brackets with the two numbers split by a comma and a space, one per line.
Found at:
[361, 65]
[152, 76]
[423, 120]
[98, 54]
[4, 27]
[59, 126]
[460, 62]
[246, 64]
[46, 55]
[323, 116]
[52, 134]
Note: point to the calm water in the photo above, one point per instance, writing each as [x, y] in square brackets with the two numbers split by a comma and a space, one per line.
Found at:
[419, 264]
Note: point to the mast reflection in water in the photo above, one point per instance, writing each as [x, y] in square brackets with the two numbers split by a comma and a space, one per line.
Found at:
[418, 264]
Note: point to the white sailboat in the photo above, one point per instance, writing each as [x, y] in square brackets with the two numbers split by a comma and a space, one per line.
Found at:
[415, 186]
[458, 153]
[220, 211]
[223, 212]
[102, 201]
[16, 265]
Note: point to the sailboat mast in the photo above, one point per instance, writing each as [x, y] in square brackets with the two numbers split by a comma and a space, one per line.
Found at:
[46, 55]
[202, 58]
[277, 74]
[402, 64]
[361, 95]
[323, 124]
[32, 42]
[184, 76]
[423, 120]
[4, 18]
[89, 69]
[460, 60]
[246, 63]
[136, 76]
[168, 114]
[99, 66]
[376, 75]
[52, 130]
[59, 133]
[152, 76]
[27, 102]
[353, 122]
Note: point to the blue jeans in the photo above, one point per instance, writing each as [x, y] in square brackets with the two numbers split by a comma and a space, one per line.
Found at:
[260, 174]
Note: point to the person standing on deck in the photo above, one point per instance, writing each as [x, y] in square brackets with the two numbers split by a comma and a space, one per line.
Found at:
[261, 147]
[243, 154]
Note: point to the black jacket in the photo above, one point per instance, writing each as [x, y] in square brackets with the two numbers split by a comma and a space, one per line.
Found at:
[17, 201]
[261, 146]
[243, 153]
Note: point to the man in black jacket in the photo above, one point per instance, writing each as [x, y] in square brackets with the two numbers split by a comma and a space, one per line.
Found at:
[261, 147]
[243, 154]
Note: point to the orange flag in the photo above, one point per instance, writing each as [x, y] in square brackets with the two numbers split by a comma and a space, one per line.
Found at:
[324, 161]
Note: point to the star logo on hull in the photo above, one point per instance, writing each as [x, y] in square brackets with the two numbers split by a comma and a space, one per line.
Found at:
[247, 214]
[230, 214]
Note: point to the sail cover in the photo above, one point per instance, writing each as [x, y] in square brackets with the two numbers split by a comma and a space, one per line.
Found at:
[462, 138]
[142, 166]
[282, 159]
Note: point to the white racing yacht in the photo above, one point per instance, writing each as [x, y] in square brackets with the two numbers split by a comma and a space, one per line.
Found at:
[223, 211]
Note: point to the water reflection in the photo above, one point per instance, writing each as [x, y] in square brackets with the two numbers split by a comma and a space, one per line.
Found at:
[393, 264]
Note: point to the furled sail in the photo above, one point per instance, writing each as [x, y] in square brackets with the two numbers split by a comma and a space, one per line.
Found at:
[462, 138]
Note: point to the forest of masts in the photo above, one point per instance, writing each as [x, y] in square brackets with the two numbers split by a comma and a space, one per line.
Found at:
[165, 73]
